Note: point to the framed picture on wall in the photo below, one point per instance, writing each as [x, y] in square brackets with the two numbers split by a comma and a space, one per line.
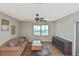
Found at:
[4, 25]
[13, 30]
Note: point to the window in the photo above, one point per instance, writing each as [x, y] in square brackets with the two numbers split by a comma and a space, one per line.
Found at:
[40, 30]
[44, 30]
[36, 30]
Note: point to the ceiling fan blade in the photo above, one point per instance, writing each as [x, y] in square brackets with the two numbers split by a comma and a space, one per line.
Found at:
[36, 19]
[43, 20]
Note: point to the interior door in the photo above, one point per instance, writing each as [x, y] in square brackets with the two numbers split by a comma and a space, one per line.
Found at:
[77, 38]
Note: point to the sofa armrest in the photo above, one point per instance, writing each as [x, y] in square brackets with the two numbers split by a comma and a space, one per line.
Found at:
[10, 51]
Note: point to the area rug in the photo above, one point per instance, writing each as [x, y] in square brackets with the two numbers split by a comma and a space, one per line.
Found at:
[46, 51]
[34, 54]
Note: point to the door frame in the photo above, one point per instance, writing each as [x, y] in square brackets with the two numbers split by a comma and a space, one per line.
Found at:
[75, 38]
[74, 43]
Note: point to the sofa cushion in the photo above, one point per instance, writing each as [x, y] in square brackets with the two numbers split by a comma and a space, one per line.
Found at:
[11, 44]
[19, 45]
[21, 40]
[5, 45]
[25, 39]
[14, 41]
[23, 44]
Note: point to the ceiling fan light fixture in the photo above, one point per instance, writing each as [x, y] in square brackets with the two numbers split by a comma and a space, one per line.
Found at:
[37, 14]
[37, 19]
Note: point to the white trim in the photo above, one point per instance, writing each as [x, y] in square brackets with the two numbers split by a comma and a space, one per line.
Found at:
[74, 43]
[76, 20]
[75, 32]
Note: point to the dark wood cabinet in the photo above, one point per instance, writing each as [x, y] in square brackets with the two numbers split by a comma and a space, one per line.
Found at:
[63, 45]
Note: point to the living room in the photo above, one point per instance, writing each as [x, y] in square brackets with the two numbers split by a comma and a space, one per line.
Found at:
[21, 21]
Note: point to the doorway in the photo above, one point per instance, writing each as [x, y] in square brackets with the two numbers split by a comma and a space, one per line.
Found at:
[77, 38]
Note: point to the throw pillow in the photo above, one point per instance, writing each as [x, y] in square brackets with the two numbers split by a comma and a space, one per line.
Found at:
[21, 40]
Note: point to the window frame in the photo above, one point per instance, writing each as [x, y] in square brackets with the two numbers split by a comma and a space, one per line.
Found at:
[40, 29]
[33, 32]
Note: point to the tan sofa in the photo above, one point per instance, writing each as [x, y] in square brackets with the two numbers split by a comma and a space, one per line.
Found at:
[13, 47]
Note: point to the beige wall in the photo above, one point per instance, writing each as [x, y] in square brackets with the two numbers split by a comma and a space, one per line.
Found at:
[26, 29]
[6, 35]
[65, 28]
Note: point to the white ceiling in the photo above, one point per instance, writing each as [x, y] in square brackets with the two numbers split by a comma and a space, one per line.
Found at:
[50, 11]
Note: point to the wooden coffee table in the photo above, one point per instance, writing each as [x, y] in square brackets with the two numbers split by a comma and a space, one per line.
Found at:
[36, 48]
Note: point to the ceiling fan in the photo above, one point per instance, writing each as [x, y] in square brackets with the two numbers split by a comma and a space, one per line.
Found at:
[37, 19]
